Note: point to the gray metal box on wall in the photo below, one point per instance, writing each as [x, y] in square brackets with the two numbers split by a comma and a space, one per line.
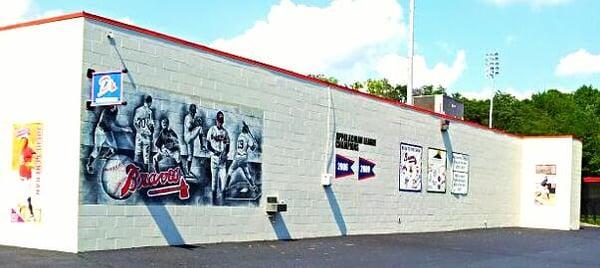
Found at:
[441, 104]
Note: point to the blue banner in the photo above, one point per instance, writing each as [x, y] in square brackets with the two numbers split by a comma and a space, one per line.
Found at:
[107, 88]
[365, 169]
[343, 166]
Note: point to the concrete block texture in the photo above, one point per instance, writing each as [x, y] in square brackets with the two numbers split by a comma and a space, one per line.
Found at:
[298, 146]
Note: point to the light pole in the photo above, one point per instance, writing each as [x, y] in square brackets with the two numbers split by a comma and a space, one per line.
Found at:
[492, 70]
[411, 52]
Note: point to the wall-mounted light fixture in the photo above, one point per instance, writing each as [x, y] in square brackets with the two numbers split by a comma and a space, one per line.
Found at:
[444, 125]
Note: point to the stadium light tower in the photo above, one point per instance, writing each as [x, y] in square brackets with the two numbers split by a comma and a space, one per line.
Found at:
[492, 70]
[411, 52]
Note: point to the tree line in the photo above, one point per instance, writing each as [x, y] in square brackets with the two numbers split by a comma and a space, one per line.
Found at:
[549, 112]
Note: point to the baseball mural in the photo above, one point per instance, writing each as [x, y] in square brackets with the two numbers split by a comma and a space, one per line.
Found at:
[166, 149]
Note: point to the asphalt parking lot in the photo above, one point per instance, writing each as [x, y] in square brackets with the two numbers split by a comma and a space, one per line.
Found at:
[507, 247]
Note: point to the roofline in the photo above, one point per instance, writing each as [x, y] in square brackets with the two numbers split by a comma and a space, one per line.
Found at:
[83, 14]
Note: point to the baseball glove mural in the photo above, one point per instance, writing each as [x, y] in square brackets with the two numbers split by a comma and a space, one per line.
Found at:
[158, 150]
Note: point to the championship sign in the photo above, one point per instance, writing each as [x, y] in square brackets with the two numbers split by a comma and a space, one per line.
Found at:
[107, 88]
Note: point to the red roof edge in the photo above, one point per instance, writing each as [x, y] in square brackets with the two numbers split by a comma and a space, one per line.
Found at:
[43, 21]
[591, 180]
[258, 64]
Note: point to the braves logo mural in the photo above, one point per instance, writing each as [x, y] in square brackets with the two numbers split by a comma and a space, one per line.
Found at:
[195, 155]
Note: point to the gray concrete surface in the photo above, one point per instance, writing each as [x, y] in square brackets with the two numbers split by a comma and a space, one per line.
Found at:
[508, 247]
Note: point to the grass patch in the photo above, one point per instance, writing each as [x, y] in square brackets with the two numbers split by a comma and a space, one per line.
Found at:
[591, 219]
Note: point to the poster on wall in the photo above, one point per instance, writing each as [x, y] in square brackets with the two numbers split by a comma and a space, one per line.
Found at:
[460, 173]
[436, 173]
[27, 167]
[410, 167]
[168, 149]
[351, 149]
[545, 185]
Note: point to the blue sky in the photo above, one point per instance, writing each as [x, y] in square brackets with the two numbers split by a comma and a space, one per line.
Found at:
[542, 43]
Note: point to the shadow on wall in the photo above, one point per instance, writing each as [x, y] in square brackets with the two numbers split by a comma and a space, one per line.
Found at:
[335, 209]
[279, 227]
[165, 224]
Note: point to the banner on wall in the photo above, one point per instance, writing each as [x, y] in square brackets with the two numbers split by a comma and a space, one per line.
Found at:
[545, 185]
[343, 166]
[366, 169]
[27, 141]
[460, 173]
[351, 149]
[410, 167]
[436, 173]
[172, 152]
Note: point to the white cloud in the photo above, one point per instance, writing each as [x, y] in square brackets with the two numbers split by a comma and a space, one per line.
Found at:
[533, 3]
[350, 39]
[578, 62]
[14, 11]
[126, 20]
[394, 67]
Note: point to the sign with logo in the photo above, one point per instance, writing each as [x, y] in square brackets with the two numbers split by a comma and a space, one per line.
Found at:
[107, 88]
[343, 166]
[365, 169]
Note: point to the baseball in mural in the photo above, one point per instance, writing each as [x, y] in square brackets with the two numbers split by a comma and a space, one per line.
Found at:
[545, 185]
[160, 151]
[27, 165]
[460, 173]
[410, 167]
[436, 173]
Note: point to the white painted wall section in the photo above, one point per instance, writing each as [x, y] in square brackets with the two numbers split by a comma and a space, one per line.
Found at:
[41, 72]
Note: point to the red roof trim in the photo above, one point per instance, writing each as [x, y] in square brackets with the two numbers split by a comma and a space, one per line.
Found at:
[591, 180]
[255, 63]
[43, 21]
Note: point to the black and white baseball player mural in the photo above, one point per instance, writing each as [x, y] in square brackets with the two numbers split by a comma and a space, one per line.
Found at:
[167, 149]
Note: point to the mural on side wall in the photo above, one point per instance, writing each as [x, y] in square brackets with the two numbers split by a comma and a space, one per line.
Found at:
[545, 185]
[436, 174]
[410, 167]
[460, 173]
[27, 164]
[169, 149]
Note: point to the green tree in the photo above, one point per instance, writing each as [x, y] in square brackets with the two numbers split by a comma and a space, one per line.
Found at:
[383, 88]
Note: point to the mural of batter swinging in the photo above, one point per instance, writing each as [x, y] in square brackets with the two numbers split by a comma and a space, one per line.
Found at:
[186, 160]
[245, 144]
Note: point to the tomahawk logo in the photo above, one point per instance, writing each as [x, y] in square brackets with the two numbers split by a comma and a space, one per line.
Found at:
[107, 85]
[160, 184]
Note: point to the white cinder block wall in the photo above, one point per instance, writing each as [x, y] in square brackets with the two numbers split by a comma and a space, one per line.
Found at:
[294, 155]
[39, 69]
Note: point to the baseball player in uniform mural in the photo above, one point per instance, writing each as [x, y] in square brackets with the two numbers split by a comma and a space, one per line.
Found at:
[167, 144]
[245, 143]
[143, 121]
[25, 171]
[218, 145]
[192, 129]
[104, 135]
